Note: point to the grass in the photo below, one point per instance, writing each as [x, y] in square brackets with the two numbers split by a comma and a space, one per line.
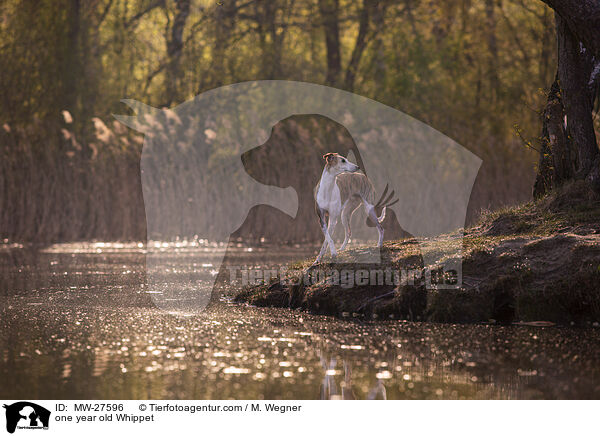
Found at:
[539, 261]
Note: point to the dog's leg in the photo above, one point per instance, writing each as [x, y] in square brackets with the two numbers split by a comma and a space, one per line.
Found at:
[323, 248]
[346, 216]
[333, 218]
[371, 212]
[347, 212]
[380, 231]
[323, 223]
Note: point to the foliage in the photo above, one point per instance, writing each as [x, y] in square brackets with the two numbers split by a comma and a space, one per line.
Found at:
[472, 69]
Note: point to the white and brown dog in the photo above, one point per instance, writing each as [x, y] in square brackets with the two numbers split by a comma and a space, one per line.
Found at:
[340, 192]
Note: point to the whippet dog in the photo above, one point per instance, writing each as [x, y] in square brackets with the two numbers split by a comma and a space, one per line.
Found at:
[340, 192]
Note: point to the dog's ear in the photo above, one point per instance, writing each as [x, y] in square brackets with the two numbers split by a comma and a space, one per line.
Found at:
[329, 157]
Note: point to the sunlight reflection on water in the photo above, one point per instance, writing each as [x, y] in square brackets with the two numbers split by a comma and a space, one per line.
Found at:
[72, 325]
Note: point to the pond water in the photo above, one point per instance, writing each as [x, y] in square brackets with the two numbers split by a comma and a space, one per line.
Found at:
[77, 323]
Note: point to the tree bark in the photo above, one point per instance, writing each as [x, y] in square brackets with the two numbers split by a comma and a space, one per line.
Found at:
[174, 49]
[329, 14]
[556, 163]
[493, 48]
[73, 65]
[568, 129]
[225, 13]
[583, 18]
[359, 45]
[558, 140]
[271, 36]
[575, 66]
[379, 53]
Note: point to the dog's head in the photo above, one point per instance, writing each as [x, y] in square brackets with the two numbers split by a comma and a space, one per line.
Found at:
[337, 164]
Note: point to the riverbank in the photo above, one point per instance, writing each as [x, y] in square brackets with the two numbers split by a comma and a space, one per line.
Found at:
[538, 262]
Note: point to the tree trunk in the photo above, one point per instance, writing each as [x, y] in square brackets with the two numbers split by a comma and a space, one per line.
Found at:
[493, 48]
[583, 18]
[575, 66]
[73, 65]
[174, 49]
[271, 37]
[568, 134]
[329, 14]
[225, 13]
[556, 153]
[379, 53]
[359, 45]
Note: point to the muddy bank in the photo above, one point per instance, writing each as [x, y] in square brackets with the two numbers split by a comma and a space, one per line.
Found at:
[536, 262]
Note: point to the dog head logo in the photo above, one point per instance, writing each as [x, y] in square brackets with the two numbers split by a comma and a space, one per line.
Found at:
[26, 415]
[198, 176]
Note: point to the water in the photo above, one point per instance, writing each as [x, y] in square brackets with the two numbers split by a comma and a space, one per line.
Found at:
[76, 323]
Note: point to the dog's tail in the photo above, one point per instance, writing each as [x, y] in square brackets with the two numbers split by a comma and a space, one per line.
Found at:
[382, 204]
